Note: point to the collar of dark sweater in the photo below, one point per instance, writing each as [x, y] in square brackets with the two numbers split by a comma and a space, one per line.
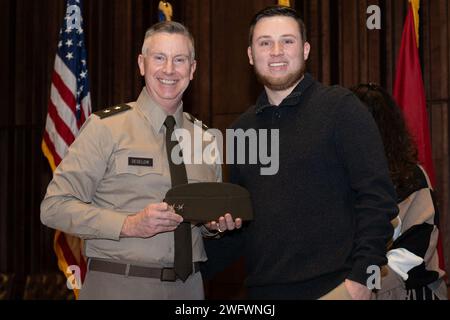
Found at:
[291, 100]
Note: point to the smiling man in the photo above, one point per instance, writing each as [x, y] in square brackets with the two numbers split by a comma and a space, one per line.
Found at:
[110, 186]
[278, 55]
[168, 64]
[323, 221]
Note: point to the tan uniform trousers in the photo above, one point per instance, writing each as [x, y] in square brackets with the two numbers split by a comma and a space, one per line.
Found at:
[109, 286]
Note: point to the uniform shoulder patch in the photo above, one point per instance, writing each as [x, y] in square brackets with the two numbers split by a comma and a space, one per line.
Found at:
[112, 111]
[195, 121]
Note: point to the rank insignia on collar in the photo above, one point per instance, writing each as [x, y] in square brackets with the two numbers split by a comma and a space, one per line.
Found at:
[112, 111]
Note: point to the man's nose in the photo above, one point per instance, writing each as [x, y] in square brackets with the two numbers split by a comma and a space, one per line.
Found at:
[277, 49]
[168, 66]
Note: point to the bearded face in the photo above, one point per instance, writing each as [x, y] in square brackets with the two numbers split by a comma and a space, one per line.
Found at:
[278, 52]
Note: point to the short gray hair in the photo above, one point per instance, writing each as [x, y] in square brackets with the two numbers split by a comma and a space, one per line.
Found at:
[171, 27]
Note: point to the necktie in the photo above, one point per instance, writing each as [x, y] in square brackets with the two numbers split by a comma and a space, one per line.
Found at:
[183, 240]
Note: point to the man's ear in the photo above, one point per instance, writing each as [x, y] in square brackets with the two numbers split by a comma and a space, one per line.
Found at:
[306, 50]
[193, 67]
[250, 56]
[141, 64]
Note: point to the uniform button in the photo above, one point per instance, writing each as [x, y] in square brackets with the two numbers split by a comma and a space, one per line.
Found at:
[277, 115]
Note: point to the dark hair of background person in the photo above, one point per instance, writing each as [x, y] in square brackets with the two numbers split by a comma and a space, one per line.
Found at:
[401, 152]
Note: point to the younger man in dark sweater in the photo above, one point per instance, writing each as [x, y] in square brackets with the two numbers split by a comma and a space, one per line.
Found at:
[321, 223]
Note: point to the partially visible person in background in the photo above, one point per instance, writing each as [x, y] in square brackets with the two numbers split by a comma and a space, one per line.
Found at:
[413, 271]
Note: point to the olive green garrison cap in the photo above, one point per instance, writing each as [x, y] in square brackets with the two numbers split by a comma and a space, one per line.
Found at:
[207, 201]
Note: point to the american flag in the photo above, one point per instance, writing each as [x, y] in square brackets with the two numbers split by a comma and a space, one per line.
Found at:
[68, 109]
[70, 102]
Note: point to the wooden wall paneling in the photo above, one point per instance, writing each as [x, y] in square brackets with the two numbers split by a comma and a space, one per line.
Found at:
[98, 54]
[197, 15]
[228, 56]
[10, 202]
[304, 8]
[124, 64]
[32, 61]
[325, 35]
[369, 46]
[49, 29]
[425, 49]
[101, 29]
[141, 18]
[438, 50]
[363, 42]
[435, 48]
[317, 15]
[387, 52]
[375, 49]
[41, 239]
[33, 70]
[31, 198]
[6, 31]
[234, 87]
[114, 33]
[27, 98]
[310, 12]
[343, 49]
[17, 226]
[24, 60]
[6, 171]
[439, 132]
[349, 57]
[395, 15]
[4, 223]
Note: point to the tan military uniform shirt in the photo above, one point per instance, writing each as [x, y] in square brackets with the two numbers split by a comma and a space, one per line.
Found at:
[95, 187]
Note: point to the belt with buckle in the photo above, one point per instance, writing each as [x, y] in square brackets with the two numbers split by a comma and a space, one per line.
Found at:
[164, 274]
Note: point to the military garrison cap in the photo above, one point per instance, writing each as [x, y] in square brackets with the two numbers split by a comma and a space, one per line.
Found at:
[207, 201]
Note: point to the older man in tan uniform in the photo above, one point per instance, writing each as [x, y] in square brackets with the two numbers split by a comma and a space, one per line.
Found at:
[109, 188]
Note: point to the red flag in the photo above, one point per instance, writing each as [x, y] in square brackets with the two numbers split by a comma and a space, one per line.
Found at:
[68, 108]
[409, 93]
